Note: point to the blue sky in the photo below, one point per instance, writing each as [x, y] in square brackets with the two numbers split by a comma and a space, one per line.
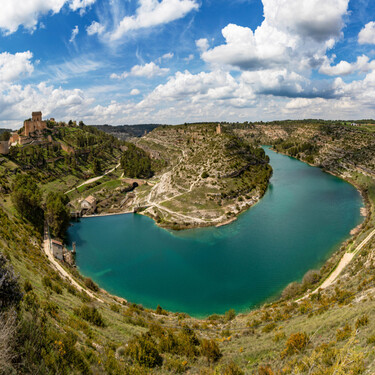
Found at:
[176, 61]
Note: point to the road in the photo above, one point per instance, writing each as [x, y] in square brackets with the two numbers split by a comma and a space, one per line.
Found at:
[91, 180]
[345, 260]
[61, 270]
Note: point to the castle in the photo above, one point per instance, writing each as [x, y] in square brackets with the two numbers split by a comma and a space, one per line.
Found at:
[34, 125]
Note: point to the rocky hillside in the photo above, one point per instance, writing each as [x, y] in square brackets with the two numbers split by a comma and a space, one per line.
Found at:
[204, 178]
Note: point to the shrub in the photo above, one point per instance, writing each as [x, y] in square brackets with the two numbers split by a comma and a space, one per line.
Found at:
[230, 315]
[142, 350]
[176, 366]
[205, 174]
[362, 321]
[344, 333]
[292, 290]
[27, 287]
[91, 314]
[160, 311]
[296, 343]
[10, 291]
[311, 277]
[210, 350]
[269, 327]
[265, 370]
[232, 369]
[91, 285]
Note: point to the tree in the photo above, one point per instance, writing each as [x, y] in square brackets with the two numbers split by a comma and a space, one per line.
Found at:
[136, 163]
[96, 167]
[10, 290]
[57, 213]
[27, 198]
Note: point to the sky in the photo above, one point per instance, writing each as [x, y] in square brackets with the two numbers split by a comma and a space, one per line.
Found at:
[175, 61]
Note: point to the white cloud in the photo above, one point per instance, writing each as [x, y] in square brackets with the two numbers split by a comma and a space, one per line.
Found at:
[149, 70]
[168, 56]
[80, 4]
[95, 28]
[202, 44]
[75, 32]
[13, 67]
[367, 34]
[294, 32]
[153, 13]
[343, 68]
[14, 14]
[135, 92]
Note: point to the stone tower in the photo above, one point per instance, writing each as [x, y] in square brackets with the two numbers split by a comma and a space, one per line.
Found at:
[218, 129]
[35, 124]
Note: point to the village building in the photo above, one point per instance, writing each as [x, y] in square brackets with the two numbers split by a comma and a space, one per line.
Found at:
[58, 249]
[4, 147]
[89, 203]
[34, 125]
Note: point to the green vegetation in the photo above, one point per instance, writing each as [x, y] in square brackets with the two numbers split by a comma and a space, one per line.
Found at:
[136, 163]
[47, 326]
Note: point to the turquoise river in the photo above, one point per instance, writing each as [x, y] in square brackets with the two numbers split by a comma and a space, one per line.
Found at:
[301, 220]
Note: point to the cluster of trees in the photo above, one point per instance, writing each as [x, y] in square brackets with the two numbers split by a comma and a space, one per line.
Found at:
[136, 163]
[57, 213]
[27, 199]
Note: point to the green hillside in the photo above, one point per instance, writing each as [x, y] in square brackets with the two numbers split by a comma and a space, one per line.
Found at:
[49, 326]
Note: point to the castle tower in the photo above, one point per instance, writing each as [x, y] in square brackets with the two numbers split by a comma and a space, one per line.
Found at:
[35, 124]
[218, 129]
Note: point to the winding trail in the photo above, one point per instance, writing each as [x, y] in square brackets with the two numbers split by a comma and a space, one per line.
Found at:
[91, 180]
[345, 260]
[60, 269]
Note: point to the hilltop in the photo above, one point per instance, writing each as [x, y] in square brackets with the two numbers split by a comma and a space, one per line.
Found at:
[49, 326]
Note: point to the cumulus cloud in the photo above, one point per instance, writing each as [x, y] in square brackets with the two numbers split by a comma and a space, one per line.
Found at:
[95, 28]
[135, 92]
[13, 67]
[202, 44]
[13, 15]
[149, 70]
[292, 31]
[343, 68]
[75, 32]
[367, 34]
[153, 13]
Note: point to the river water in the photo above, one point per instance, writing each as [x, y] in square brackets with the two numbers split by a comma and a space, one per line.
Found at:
[304, 216]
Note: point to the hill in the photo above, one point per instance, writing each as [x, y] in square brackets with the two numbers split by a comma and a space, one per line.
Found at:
[49, 325]
[125, 132]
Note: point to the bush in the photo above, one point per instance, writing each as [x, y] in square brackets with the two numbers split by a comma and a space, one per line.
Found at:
[292, 290]
[160, 311]
[10, 290]
[311, 277]
[210, 350]
[205, 174]
[232, 369]
[91, 285]
[362, 321]
[91, 314]
[296, 343]
[143, 351]
[230, 315]
[344, 333]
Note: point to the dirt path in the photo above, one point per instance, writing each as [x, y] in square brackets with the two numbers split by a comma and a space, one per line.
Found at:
[91, 180]
[345, 260]
[60, 269]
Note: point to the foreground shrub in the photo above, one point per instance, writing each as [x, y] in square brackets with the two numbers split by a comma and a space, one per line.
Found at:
[210, 350]
[91, 314]
[292, 290]
[344, 333]
[230, 315]
[91, 285]
[232, 369]
[296, 343]
[143, 351]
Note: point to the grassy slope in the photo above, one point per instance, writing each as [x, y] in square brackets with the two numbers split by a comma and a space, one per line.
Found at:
[252, 340]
